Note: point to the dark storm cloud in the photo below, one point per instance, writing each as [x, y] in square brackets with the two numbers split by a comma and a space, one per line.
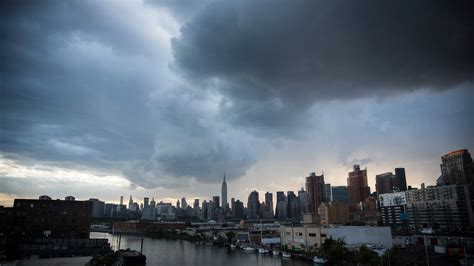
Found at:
[273, 59]
[77, 90]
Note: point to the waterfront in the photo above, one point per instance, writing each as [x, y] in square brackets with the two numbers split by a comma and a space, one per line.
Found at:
[183, 252]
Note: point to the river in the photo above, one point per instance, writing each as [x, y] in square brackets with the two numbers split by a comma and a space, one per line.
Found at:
[181, 252]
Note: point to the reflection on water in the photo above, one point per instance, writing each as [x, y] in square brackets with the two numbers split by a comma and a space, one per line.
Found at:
[182, 252]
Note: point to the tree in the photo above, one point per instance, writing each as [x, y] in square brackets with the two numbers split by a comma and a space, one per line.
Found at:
[366, 256]
[230, 237]
[335, 250]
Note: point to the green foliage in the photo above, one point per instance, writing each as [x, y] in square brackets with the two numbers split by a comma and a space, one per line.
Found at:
[335, 250]
[366, 256]
[230, 236]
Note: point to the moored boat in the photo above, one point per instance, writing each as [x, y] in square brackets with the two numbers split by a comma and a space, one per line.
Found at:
[262, 251]
[319, 260]
[248, 249]
[286, 255]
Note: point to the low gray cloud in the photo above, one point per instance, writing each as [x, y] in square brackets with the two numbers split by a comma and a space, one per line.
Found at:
[78, 91]
[274, 59]
[105, 88]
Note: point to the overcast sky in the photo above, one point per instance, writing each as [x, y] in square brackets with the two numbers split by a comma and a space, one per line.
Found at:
[159, 98]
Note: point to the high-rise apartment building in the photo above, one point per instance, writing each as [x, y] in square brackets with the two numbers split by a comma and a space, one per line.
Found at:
[457, 168]
[316, 191]
[357, 186]
[448, 207]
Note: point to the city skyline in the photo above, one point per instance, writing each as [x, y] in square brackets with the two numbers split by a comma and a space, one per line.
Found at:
[152, 105]
[274, 197]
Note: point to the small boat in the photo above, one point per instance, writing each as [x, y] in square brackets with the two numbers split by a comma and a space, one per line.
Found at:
[286, 255]
[248, 249]
[262, 251]
[276, 252]
[319, 260]
[233, 246]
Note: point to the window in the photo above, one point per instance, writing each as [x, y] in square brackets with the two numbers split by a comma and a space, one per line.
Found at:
[312, 234]
[323, 235]
[287, 233]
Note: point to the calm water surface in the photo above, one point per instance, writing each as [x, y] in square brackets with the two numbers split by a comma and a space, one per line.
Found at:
[182, 252]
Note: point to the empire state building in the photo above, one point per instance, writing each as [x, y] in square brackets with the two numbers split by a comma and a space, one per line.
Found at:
[224, 194]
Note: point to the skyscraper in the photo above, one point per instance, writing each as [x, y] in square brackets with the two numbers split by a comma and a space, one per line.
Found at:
[253, 205]
[457, 168]
[216, 201]
[121, 200]
[145, 201]
[339, 193]
[293, 206]
[386, 183]
[280, 212]
[357, 185]
[402, 179]
[327, 193]
[224, 194]
[316, 191]
[184, 204]
[269, 202]
[130, 202]
[196, 204]
[304, 203]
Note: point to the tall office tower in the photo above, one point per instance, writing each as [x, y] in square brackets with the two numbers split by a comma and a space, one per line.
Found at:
[280, 211]
[232, 203]
[339, 193]
[178, 206]
[402, 179]
[293, 206]
[204, 210]
[253, 205]
[328, 192]
[196, 204]
[386, 183]
[269, 202]
[216, 201]
[315, 187]
[224, 194]
[145, 201]
[184, 204]
[153, 202]
[304, 203]
[238, 210]
[457, 168]
[130, 202]
[211, 210]
[357, 185]
[121, 200]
